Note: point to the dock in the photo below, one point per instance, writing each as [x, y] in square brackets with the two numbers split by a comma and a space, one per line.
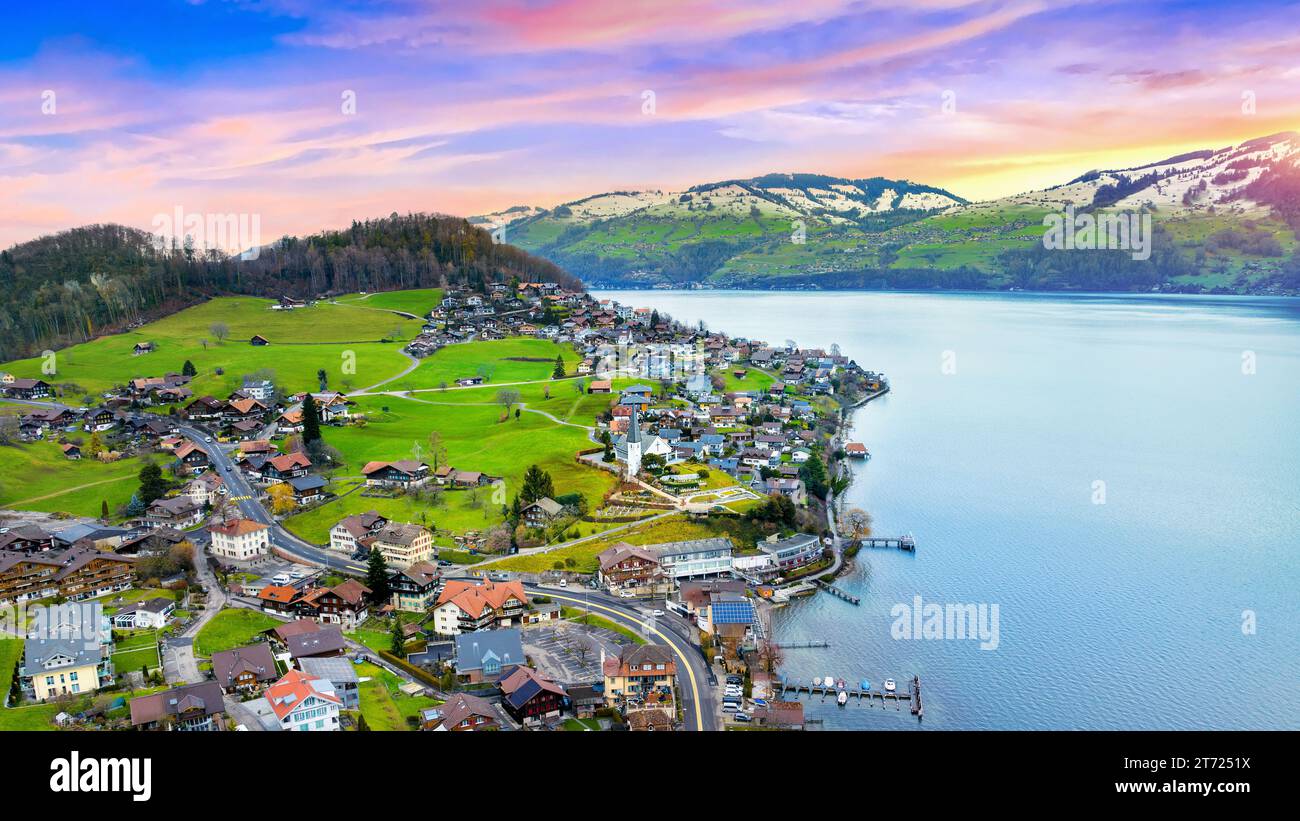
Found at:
[907, 542]
[800, 645]
[868, 697]
[835, 591]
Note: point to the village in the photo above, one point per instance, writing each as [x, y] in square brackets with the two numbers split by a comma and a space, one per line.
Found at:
[287, 564]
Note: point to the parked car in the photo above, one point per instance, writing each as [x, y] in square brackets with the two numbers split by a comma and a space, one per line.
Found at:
[742, 716]
[564, 583]
[656, 613]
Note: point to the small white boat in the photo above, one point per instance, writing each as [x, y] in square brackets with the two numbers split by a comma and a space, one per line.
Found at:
[842, 698]
[890, 686]
[817, 682]
[829, 681]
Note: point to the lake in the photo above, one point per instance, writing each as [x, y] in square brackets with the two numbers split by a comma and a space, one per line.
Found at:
[1119, 474]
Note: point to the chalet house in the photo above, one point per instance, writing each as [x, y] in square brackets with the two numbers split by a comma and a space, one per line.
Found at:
[71, 451]
[462, 713]
[625, 567]
[444, 474]
[344, 604]
[327, 642]
[244, 668]
[348, 534]
[204, 409]
[307, 489]
[464, 607]
[194, 458]
[98, 419]
[489, 655]
[279, 600]
[302, 702]
[242, 410]
[470, 478]
[179, 512]
[190, 708]
[25, 539]
[259, 340]
[540, 512]
[206, 488]
[401, 544]
[415, 589]
[332, 406]
[142, 348]
[285, 466]
[28, 389]
[530, 697]
[403, 474]
[289, 422]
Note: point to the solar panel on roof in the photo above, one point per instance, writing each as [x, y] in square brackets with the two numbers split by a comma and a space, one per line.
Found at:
[733, 612]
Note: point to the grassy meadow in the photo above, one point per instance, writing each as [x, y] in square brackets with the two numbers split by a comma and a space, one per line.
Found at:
[36, 476]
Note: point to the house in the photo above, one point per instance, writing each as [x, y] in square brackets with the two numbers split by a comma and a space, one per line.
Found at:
[142, 348]
[530, 697]
[63, 666]
[586, 699]
[341, 673]
[192, 708]
[240, 539]
[244, 668]
[151, 613]
[627, 567]
[401, 544]
[193, 457]
[856, 450]
[206, 489]
[488, 655]
[470, 478]
[415, 589]
[600, 386]
[71, 451]
[284, 467]
[307, 489]
[403, 474]
[641, 676]
[204, 409]
[178, 512]
[259, 340]
[649, 720]
[28, 389]
[462, 713]
[326, 642]
[289, 422]
[696, 557]
[279, 600]
[540, 512]
[348, 533]
[79, 572]
[464, 606]
[263, 390]
[304, 703]
[344, 604]
[781, 715]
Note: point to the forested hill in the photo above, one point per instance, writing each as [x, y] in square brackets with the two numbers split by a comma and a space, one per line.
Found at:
[69, 287]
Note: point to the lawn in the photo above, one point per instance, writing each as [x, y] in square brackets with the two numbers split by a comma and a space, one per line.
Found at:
[580, 724]
[41, 716]
[302, 341]
[669, 529]
[231, 628]
[475, 439]
[383, 704]
[137, 651]
[36, 476]
[518, 359]
[418, 301]
[11, 652]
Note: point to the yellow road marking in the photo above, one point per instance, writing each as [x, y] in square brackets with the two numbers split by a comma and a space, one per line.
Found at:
[690, 672]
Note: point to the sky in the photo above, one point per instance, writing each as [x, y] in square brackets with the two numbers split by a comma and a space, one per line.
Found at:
[312, 113]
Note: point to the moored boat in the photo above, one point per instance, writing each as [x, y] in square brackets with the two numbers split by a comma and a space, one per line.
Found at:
[865, 685]
[817, 682]
[839, 684]
[842, 698]
[890, 686]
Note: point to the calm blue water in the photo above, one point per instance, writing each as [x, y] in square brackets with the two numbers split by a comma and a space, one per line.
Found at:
[1120, 615]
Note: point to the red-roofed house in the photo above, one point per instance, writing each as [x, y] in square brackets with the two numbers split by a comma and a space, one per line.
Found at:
[464, 607]
[303, 702]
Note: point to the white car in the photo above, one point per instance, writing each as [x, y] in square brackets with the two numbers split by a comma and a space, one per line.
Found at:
[656, 613]
[207, 439]
[564, 583]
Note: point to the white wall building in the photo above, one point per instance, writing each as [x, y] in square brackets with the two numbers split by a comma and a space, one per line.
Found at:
[240, 539]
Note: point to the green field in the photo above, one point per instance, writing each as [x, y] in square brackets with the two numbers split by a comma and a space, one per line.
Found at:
[231, 628]
[302, 341]
[418, 301]
[475, 439]
[36, 476]
[136, 651]
[669, 529]
[518, 359]
[383, 704]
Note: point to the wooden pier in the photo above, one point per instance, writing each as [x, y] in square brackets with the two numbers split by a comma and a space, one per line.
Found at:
[800, 645]
[869, 697]
[835, 591]
[907, 542]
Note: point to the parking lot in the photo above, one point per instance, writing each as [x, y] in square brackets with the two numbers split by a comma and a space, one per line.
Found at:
[570, 653]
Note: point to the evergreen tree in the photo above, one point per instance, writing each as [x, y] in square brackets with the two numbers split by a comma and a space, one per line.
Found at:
[310, 420]
[189, 370]
[537, 484]
[103, 509]
[377, 576]
[399, 639]
[558, 373]
[324, 378]
[152, 484]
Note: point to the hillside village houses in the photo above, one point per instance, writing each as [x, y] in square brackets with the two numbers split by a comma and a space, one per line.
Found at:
[239, 540]
[401, 544]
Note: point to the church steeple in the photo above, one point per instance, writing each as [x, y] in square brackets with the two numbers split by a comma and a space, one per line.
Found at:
[633, 445]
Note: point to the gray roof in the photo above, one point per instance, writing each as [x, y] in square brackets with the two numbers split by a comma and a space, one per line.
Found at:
[473, 648]
[336, 670]
[689, 547]
[40, 652]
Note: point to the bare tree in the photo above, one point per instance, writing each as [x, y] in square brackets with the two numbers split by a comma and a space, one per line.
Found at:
[220, 330]
[507, 398]
[856, 522]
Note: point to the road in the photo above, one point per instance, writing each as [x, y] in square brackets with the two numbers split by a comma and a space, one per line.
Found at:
[698, 681]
